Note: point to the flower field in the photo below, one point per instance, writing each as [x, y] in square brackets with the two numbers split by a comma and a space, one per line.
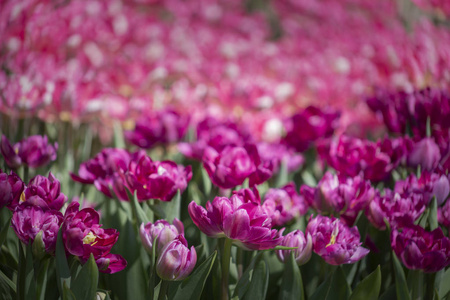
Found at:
[212, 149]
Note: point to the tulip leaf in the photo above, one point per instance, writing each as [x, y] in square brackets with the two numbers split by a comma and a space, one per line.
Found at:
[138, 212]
[41, 278]
[243, 284]
[400, 280]
[292, 284]
[334, 287]
[281, 248]
[207, 185]
[84, 286]
[283, 175]
[369, 287]
[192, 287]
[4, 232]
[62, 267]
[26, 282]
[444, 286]
[7, 287]
[172, 208]
[67, 293]
[257, 289]
[432, 218]
[119, 141]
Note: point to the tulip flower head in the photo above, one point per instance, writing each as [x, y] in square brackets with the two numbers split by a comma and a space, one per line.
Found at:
[160, 232]
[334, 241]
[303, 243]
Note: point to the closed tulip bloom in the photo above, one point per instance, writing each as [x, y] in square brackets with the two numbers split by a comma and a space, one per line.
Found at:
[284, 204]
[421, 249]
[156, 179]
[11, 188]
[176, 260]
[162, 232]
[339, 195]
[239, 218]
[34, 151]
[335, 242]
[425, 153]
[296, 239]
[43, 192]
[111, 263]
[228, 168]
[28, 220]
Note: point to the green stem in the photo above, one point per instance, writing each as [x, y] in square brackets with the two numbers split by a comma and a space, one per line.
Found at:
[430, 279]
[163, 289]
[416, 282]
[240, 262]
[226, 254]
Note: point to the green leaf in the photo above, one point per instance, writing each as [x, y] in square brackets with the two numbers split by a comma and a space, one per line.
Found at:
[335, 287]
[66, 292]
[192, 287]
[41, 278]
[26, 282]
[292, 284]
[432, 218]
[119, 141]
[7, 287]
[400, 281]
[62, 267]
[84, 286]
[257, 289]
[369, 287]
[172, 208]
[4, 232]
[138, 212]
[244, 282]
[283, 175]
[444, 286]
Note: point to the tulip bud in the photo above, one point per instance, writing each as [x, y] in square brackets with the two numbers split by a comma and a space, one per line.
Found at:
[38, 246]
[176, 261]
[425, 153]
[304, 247]
[161, 232]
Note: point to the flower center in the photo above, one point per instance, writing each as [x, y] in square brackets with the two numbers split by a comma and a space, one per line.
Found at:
[22, 197]
[89, 239]
[334, 234]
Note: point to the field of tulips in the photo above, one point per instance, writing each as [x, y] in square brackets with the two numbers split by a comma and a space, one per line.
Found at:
[225, 149]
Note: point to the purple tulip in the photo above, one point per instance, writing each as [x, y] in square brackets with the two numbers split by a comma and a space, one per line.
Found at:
[176, 260]
[103, 170]
[156, 180]
[83, 235]
[164, 127]
[296, 239]
[421, 249]
[351, 156]
[444, 214]
[428, 185]
[43, 192]
[162, 232]
[28, 220]
[215, 134]
[34, 151]
[335, 242]
[307, 126]
[284, 204]
[240, 218]
[11, 188]
[399, 210]
[228, 168]
[279, 154]
[425, 153]
[342, 196]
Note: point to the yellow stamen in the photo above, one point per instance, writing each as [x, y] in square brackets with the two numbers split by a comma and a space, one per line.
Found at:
[334, 234]
[22, 197]
[90, 239]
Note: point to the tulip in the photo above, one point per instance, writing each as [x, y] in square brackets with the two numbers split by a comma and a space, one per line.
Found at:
[421, 249]
[425, 153]
[284, 204]
[161, 232]
[444, 214]
[111, 263]
[228, 168]
[11, 188]
[306, 126]
[239, 218]
[32, 222]
[296, 239]
[34, 151]
[165, 126]
[335, 242]
[398, 209]
[156, 180]
[176, 260]
[343, 196]
[43, 192]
